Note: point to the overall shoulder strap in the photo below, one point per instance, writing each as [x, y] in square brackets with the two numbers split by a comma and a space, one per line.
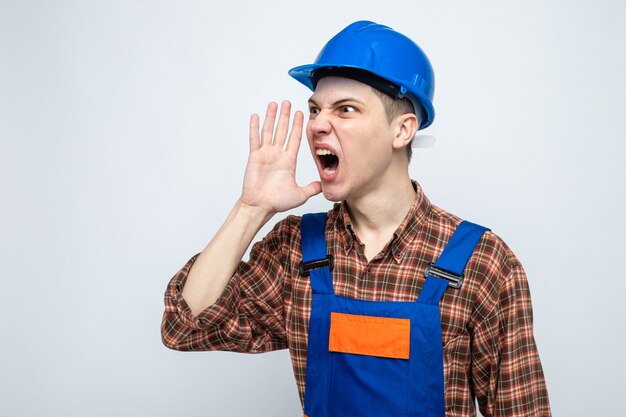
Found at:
[448, 270]
[315, 260]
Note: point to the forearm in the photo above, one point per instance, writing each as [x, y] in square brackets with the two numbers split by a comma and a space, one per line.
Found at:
[217, 263]
[269, 187]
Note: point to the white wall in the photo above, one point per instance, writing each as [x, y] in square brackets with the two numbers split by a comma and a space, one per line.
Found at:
[123, 139]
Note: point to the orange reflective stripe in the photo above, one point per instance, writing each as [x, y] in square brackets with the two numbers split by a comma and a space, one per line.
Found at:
[367, 335]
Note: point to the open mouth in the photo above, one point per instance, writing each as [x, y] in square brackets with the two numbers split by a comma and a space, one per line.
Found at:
[328, 160]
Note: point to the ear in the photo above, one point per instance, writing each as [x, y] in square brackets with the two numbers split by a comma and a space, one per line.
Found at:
[405, 127]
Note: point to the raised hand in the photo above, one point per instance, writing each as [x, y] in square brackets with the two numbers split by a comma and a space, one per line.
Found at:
[269, 182]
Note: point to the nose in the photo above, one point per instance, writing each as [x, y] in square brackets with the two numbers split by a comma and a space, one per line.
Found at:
[320, 123]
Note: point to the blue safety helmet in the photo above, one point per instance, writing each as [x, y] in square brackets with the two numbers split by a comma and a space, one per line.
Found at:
[378, 56]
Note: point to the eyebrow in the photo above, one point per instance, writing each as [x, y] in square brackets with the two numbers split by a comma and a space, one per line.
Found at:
[339, 102]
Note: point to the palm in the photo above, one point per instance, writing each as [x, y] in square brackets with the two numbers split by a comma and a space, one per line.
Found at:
[269, 181]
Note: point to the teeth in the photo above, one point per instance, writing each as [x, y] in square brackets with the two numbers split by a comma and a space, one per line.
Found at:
[321, 151]
[329, 171]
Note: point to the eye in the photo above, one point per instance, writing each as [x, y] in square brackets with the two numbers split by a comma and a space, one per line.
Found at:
[313, 110]
[347, 109]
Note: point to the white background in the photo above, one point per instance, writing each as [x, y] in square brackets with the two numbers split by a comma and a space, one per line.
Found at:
[123, 140]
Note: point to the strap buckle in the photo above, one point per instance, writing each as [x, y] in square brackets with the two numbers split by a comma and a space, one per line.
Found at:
[454, 280]
[306, 267]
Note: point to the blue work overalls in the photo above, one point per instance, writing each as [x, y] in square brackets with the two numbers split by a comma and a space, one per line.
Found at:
[370, 358]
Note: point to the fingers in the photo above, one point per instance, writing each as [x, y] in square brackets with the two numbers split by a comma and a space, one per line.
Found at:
[312, 189]
[255, 139]
[296, 132]
[268, 124]
[283, 124]
[278, 137]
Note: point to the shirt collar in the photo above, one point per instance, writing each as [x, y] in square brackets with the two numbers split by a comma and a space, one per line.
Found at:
[404, 234]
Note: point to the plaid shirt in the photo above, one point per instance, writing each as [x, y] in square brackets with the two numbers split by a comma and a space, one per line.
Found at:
[489, 349]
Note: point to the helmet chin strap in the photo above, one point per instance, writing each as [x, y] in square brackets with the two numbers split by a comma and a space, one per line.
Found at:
[423, 141]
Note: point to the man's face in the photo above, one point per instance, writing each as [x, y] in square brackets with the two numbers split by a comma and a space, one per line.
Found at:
[350, 138]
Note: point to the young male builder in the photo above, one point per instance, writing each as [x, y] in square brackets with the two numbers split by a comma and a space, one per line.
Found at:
[373, 327]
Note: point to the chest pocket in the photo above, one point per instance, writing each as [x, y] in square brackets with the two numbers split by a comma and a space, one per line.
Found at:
[368, 335]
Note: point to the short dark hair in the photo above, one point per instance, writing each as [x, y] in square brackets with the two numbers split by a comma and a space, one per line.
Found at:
[395, 107]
